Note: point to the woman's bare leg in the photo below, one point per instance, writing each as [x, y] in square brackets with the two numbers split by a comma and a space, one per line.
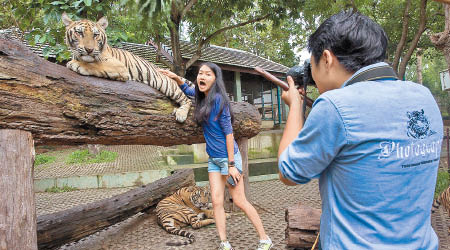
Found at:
[238, 195]
[217, 184]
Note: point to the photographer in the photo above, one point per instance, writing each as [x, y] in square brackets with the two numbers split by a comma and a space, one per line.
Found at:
[373, 143]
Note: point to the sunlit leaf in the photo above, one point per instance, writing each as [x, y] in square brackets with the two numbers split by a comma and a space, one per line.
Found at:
[57, 3]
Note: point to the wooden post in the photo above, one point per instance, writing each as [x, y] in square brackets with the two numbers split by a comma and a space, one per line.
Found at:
[17, 206]
[243, 148]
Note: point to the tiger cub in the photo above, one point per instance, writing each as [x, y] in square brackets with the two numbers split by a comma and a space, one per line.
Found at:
[188, 206]
[92, 56]
[444, 200]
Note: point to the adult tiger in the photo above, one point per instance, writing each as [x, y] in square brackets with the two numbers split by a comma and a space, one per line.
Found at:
[91, 55]
[187, 206]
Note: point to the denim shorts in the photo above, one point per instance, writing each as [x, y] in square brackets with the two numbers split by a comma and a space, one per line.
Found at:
[221, 164]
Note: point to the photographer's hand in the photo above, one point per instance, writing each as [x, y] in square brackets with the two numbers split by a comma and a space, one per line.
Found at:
[293, 96]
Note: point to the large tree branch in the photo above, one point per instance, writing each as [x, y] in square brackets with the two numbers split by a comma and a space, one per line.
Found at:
[401, 43]
[197, 54]
[187, 8]
[415, 41]
[442, 40]
[59, 106]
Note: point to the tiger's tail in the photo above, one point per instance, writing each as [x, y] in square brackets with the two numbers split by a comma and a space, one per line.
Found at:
[178, 231]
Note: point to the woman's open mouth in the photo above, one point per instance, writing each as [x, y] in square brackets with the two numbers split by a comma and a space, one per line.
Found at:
[202, 83]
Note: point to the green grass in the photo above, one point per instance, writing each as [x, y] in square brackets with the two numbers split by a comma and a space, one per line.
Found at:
[442, 183]
[60, 190]
[43, 159]
[83, 156]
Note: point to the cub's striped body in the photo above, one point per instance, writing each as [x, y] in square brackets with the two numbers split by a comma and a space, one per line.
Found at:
[91, 55]
[444, 200]
[187, 206]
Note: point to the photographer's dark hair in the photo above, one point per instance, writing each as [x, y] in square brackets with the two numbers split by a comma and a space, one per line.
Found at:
[205, 103]
[354, 39]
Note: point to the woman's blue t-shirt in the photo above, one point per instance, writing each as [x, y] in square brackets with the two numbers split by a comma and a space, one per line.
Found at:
[217, 127]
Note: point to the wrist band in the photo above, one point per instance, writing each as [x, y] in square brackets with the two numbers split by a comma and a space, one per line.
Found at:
[231, 163]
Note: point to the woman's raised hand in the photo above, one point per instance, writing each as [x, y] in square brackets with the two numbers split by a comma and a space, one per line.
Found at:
[172, 75]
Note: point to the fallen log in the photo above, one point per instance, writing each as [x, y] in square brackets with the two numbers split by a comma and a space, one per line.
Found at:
[59, 106]
[59, 228]
[303, 225]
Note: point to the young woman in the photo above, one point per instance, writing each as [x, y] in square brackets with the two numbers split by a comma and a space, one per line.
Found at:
[213, 113]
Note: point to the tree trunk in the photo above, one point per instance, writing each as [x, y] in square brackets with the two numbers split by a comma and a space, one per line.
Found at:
[419, 54]
[442, 40]
[17, 207]
[401, 43]
[415, 41]
[243, 148]
[75, 223]
[303, 224]
[59, 106]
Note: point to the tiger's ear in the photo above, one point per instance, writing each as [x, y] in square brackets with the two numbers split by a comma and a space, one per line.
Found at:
[103, 22]
[66, 19]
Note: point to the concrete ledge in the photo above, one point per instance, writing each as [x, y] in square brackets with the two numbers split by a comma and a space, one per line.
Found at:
[266, 177]
[128, 179]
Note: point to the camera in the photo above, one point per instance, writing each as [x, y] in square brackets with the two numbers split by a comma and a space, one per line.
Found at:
[301, 74]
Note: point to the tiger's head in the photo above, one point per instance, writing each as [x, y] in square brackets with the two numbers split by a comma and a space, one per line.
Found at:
[86, 39]
[201, 198]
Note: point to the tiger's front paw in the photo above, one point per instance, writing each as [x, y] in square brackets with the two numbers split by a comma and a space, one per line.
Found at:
[73, 65]
[77, 67]
[180, 114]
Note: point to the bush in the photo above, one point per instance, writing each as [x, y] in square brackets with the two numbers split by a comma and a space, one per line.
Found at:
[442, 183]
[60, 190]
[83, 156]
[43, 159]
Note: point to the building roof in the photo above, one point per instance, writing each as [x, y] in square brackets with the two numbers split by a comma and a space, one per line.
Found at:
[147, 52]
[229, 56]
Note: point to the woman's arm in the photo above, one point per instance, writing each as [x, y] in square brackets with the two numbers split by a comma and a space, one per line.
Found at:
[180, 81]
[230, 146]
[172, 75]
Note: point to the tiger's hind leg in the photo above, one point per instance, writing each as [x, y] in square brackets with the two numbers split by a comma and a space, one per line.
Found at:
[198, 221]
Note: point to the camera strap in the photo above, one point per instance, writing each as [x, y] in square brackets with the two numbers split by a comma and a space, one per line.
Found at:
[373, 74]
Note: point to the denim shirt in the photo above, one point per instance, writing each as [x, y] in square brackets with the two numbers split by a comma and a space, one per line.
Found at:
[375, 147]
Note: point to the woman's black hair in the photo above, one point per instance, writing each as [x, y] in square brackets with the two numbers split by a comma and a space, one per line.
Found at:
[205, 103]
[354, 39]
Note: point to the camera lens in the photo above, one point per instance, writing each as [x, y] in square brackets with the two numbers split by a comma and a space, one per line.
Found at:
[301, 74]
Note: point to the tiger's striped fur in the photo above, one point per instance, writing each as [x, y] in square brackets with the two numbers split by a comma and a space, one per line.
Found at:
[188, 206]
[444, 200]
[92, 56]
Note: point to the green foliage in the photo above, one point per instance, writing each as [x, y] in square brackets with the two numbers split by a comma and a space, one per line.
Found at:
[65, 188]
[41, 20]
[433, 62]
[43, 159]
[84, 157]
[442, 182]
[285, 28]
